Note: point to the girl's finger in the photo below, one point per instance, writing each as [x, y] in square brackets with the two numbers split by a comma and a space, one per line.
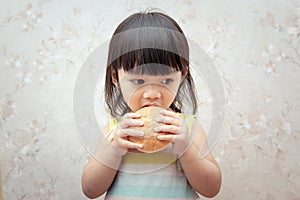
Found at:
[132, 115]
[125, 144]
[129, 122]
[169, 120]
[167, 129]
[170, 114]
[170, 138]
[131, 132]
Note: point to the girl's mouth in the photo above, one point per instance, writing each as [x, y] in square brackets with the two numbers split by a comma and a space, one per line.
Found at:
[151, 104]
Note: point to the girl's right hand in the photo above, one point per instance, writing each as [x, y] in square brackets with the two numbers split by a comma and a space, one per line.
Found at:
[121, 131]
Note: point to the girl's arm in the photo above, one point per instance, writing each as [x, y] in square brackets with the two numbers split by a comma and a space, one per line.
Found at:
[203, 174]
[102, 168]
[97, 177]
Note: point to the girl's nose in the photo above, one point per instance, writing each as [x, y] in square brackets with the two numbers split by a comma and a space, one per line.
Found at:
[151, 92]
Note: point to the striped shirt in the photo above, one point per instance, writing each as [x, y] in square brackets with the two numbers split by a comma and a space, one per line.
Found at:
[149, 176]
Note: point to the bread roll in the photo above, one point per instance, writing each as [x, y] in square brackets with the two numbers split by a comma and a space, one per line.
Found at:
[150, 142]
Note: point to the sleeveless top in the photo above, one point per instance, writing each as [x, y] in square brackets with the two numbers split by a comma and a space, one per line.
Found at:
[147, 176]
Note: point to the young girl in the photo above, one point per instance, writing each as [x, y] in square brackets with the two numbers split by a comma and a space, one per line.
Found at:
[148, 65]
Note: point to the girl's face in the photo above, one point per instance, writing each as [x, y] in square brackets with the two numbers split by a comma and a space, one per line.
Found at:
[147, 90]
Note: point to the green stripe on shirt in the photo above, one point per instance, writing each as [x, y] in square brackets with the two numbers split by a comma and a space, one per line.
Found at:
[151, 180]
[152, 191]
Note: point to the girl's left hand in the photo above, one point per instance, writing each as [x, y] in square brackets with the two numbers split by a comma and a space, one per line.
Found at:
[177, 127]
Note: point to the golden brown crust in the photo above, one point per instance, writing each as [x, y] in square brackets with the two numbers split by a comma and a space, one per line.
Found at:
[150, 142]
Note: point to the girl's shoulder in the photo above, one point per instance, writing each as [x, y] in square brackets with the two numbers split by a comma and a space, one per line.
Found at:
[189, 118]
[112, 122]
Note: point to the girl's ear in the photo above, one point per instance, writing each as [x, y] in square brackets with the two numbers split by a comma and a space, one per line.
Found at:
[114, 78]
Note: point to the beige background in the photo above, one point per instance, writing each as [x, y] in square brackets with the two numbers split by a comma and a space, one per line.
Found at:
[255, 46]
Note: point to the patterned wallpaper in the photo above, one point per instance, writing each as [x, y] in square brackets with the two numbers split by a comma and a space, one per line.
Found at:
[255, 46]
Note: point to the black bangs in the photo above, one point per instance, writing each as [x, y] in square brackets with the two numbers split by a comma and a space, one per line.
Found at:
[145, 45]
[151, 61]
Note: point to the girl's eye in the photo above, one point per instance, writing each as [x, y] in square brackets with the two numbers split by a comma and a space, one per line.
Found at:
[138, 81]
[167, 81]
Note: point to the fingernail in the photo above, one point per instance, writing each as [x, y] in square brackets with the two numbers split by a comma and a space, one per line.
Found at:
[110, 138]
[158, 119]
[140, 145]
[141, 133]
[157, 129]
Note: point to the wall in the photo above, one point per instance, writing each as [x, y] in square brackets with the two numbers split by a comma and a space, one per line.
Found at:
[254, 45]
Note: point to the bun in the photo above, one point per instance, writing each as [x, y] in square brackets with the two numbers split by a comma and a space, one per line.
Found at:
[150, 142]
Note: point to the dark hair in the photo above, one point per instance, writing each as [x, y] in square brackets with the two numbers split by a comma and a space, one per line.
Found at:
[142, 39]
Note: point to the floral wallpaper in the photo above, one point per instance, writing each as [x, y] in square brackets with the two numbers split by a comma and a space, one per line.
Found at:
[255, 45]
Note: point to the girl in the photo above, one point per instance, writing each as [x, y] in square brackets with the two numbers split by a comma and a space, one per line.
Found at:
[148, 65]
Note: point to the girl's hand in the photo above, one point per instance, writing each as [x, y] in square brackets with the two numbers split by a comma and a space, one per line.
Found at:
[178, 129]
[119, 135]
